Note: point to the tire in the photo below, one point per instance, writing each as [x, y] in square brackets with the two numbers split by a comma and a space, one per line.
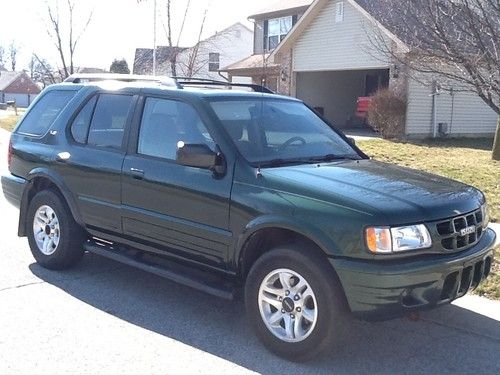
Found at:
[55, 239]
[318, 330]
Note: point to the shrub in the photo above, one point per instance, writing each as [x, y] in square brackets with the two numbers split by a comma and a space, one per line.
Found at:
[387, 113]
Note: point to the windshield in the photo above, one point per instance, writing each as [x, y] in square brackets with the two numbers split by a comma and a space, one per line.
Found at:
[275, 132]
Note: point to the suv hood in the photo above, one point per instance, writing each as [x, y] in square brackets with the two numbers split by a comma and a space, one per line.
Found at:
[400, 195]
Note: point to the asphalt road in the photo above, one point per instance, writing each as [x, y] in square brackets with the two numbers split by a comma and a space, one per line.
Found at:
[105, 318]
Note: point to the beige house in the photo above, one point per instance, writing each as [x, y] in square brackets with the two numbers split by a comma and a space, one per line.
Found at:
[271, 26]
[328, 59]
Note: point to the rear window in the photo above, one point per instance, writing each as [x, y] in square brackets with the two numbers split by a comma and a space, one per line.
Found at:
[39, 119]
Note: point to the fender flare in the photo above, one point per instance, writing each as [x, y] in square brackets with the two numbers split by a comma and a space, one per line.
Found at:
[55, 179]
[303, 228]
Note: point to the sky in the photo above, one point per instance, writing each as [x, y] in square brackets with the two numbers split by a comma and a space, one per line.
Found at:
[116, 28]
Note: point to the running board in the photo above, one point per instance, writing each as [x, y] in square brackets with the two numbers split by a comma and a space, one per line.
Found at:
[176, 272]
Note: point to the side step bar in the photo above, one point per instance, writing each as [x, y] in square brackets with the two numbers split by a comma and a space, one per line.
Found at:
[176, 272]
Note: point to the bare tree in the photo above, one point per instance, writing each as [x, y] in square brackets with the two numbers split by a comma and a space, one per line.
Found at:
[63, 35]
[2, 57]
[190, 70]
[42, 72]
[174, 49]
[13, 49]
[454, 41]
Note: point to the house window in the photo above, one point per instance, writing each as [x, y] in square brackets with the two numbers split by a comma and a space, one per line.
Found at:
[213, 61]
[339, 12]
[276, 31]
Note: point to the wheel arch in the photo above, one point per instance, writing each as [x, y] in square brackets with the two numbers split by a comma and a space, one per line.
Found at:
[41, 179]
[263, 234]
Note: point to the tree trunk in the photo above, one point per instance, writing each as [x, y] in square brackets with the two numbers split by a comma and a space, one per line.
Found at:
[496, 143]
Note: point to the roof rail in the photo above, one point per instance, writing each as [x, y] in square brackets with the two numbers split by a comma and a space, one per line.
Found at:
[95, 77]
[192, 81]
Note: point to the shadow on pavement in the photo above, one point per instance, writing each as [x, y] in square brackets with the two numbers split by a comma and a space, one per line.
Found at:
[219, 327]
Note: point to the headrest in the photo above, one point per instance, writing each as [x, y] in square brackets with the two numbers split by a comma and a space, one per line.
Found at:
[235, 129]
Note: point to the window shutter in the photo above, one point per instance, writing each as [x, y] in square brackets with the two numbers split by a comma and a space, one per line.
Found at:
[339, 11]
[294, 19]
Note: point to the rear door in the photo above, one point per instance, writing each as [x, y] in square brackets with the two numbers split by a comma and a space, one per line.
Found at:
[183, 210]
[92, 163]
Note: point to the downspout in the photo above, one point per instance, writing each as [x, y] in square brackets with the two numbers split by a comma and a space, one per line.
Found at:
[434, 95]
[452, 110]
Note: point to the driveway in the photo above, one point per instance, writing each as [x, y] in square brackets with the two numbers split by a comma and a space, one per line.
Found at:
[105, 318]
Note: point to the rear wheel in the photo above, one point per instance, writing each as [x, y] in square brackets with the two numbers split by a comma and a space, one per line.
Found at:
[295, 303]
[55, 239]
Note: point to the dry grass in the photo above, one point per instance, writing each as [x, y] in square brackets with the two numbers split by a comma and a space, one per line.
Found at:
[9, 122]
[466, 160]
[491, 286]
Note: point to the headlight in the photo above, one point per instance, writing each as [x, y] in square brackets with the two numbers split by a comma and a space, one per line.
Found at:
[384, 240]
[486, 214]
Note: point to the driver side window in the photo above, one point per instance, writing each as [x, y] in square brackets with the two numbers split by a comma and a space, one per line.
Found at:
[166, 122]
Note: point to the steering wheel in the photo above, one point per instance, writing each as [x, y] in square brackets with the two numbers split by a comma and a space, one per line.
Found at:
[291, 141]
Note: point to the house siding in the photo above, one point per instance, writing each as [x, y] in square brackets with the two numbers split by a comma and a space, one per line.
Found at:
[232, 44]
[22, 100]
[464, 112]
[327, 45]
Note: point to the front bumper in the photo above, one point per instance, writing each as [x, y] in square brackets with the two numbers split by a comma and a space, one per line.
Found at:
[380, 290]
[13, 188]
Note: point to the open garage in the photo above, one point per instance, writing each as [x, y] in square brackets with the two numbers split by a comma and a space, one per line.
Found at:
[335, 93]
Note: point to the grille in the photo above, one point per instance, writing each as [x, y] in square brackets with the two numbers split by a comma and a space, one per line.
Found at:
[450, 231]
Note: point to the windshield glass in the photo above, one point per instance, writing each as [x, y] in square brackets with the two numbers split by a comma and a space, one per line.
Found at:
[270, 131]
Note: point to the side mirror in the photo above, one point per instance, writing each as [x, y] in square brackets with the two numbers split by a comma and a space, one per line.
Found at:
[352, 141]
[200, 156]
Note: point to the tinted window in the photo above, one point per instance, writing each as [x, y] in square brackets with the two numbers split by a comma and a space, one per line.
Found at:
[108, 123]
[265, 130]
[81, 124]
[165, 123]
[39, 119]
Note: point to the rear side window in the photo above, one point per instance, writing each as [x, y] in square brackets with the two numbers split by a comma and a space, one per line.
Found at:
[108, 123]
[39, 119]
[81, 123]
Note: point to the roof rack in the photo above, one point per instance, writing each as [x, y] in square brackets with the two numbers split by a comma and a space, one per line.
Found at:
[92, 77]
[190, 81]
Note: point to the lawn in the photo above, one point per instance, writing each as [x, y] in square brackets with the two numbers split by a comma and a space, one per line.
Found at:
[9, 122]
[466, 160]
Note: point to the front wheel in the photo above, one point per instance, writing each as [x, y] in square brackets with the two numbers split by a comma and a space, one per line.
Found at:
[55, 239]
[295, 303]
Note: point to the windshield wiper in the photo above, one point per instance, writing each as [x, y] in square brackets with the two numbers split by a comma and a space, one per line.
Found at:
[281, 162]
[319, 159]
[333, 157]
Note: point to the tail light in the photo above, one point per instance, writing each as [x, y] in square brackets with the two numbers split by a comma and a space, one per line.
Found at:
[10, 153]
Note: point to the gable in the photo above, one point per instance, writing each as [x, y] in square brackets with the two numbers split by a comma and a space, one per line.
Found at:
[17, 83]
[331, 42]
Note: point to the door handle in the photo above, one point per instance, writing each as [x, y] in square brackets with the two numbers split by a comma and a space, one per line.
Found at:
[138, 174]
[63, 156]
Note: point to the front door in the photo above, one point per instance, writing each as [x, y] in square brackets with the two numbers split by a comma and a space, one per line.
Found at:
[179, 209]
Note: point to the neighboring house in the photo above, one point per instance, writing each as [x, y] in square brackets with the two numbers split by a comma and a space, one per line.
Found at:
[17, 86]
[329, 60]
[143, 61]
[203, 60]
[271, 25]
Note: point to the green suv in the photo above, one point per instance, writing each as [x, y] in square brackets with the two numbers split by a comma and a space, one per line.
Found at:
[227, 190]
